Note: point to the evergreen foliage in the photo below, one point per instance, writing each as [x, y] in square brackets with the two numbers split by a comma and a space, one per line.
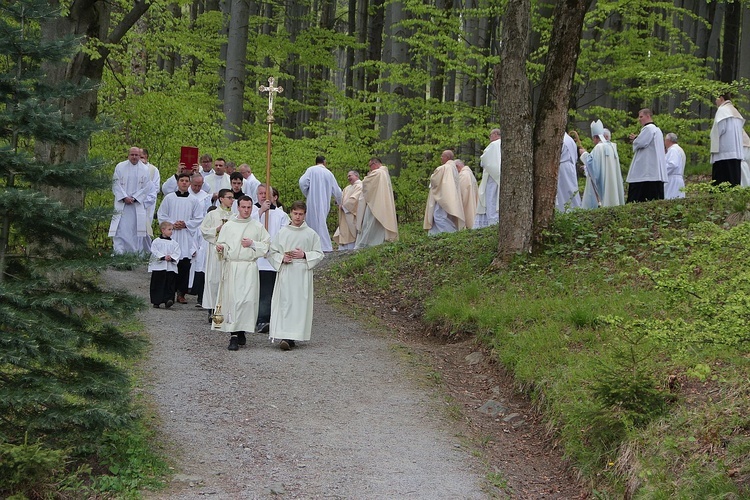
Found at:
[61, 387]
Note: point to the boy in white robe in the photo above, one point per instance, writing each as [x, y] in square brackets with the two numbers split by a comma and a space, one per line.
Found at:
[210, 227]
[241, 242]
[295, 251]
[165, 252]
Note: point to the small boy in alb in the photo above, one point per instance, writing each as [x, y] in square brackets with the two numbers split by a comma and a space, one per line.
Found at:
[295, 251]
[165, 253]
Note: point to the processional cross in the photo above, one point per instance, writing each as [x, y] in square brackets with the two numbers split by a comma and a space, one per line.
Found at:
[272, 91]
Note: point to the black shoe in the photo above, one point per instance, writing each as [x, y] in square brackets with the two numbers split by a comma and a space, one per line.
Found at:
[210, 316]
[156, 306]
[233, 343]
[241, 340]
[291, 343]
[169, 303]
[284, 345]
[262, 327]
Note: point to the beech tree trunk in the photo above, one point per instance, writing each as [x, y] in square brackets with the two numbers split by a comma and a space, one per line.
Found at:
[235, 73]
[89, 18]
[552, 109]
[514, 93]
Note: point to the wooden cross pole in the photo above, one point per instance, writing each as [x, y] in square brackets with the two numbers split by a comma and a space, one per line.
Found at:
[272, 91]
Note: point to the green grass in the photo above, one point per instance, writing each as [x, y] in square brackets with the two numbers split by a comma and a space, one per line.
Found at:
[630, 328]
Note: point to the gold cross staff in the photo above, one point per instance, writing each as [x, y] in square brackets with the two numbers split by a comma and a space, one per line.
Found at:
[269, 119]
[271, 92]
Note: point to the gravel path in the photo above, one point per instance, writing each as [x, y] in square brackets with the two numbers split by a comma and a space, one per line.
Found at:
[343, 416]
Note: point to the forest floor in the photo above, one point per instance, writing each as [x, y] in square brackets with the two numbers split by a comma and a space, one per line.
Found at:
[369, 408]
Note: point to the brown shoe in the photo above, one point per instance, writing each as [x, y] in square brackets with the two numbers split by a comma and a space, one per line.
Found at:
[181, 299]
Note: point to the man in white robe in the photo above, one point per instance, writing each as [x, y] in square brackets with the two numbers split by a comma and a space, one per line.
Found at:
[489, 187]
[726, 143]
[376, 210]
[185, 214]
[241, 242]
[469, 192]
[603, 175]
[444, 212]
[249, 183]
[318, 185]
[276, 218]
[131, 186]
[295, 252]
[568, 197]
[209, 230]
[346, 233]
[198, 263]
[218, 180]
[676, 160]
[149, 203]
[648, 169]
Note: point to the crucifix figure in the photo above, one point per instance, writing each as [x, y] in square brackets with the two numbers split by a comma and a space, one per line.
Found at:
[271, 92]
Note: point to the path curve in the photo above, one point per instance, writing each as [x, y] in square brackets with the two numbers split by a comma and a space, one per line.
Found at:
[343, 416]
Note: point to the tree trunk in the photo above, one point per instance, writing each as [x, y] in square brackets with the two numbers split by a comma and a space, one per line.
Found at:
[731, 44]
[513, 90]
[234, 84]
[552, 110]
[375, 48]
[88, 18]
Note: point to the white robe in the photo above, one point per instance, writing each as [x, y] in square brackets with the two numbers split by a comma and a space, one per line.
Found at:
[276, 221]
[726, 134]
[603, 177]
[129, 224]
[187, 209]
[676, 160]
[239, 290]
[489, 187]
[161, 247]
[214, 183]
[149, 205]
[568, 197]
[649, 162]
[250, 187]
[208, 230]
[318, 185]
[292, 301]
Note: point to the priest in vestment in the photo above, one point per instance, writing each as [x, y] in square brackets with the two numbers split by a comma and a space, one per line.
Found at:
[318, 185]
[277, 219]
[295, 252]
[185, 213]
[726, 143]
[346, 234]
[568, 196]
[444, 212]
[603, 175]
[676, 160]
[376, 210]
[210, 227]
[469, 192]
[489, 187]
[648, 168]
[241, 242]
[131, 186]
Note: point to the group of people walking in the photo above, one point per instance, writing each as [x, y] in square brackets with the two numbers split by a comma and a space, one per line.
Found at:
[226, 238]
[248, 262]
